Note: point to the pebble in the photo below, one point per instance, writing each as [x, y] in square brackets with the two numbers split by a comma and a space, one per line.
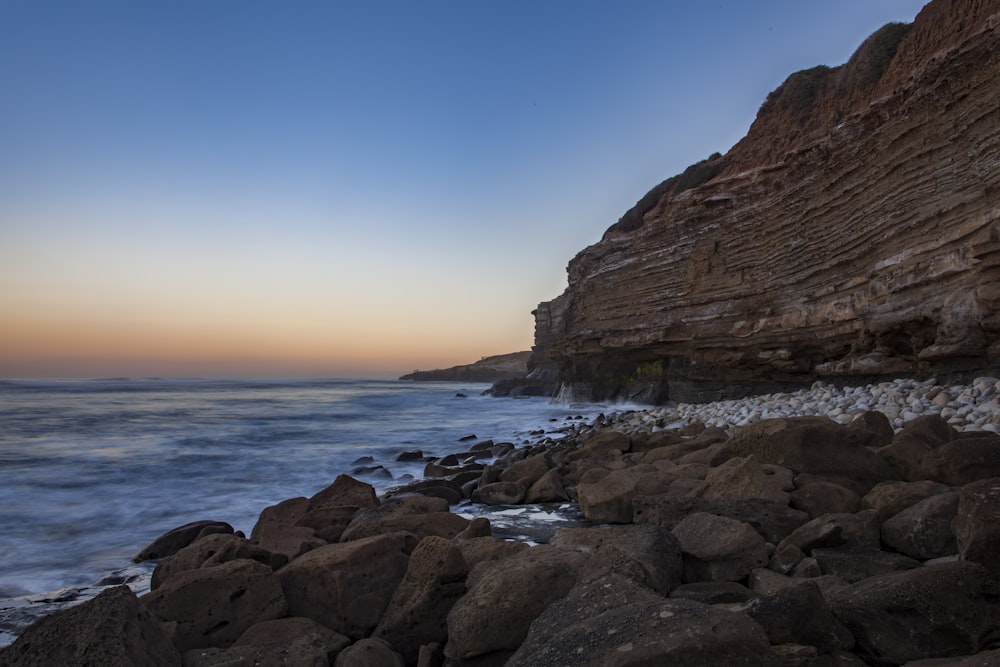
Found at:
[973, 407]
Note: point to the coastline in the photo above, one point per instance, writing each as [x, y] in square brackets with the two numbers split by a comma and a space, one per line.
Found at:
[815, 509]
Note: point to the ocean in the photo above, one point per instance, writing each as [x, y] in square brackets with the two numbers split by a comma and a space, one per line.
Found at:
[93, 470]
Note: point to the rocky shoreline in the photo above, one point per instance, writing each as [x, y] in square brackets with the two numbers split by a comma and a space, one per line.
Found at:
[835, 526]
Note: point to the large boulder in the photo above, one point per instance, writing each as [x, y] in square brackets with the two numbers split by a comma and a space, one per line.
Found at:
[817, 498]
[964, 460]
[347, 586]
[923, 530]
[799, 614]
[505, 596]
[298, 642]
[859, 531]
[606, 496]
[278, 531]
[891, 498]
[934, 611]
[345, 491]
[744, 478]
[177, 538]
[718, 548]
[977, 523]
[370, 652]
[853, 564]
[213, 550]
[213, 606]
[774, 521]
[546, 489]
[420, 515]
[418, 611]
[601, 445]
[814, 445]
[649, 555]
[614, 622]
[110, 629]
[526, 471]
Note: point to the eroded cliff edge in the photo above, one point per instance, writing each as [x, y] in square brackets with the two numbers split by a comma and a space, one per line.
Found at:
[853, 234]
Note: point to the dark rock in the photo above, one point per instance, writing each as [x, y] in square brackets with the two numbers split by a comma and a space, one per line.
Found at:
[410, 455]
[418, 611]
[983, 659]
[964, 460]
[891, 498]
[371, 652]
[773, 521]
[814, 445]
[853, 565]
[505, 596]
[799, 614]
[345, 491]
[287, 629]
[502, 493]
[934, 611]
[277, 529]
[328, 523]
[293, 642]
[112, 629]
[819, 498]
[923, 530]
[527, 471]
[612, 622]
[607, 496]
[546, 489]
[420, 515]
[744, 478]
[713, 592]
[176, 539]
[213, 550]
[213, 606]
[347, 586]
[649, 555]
[479, 549]
[602, 444]
[718, 548]
[977, 523]
[835, 530]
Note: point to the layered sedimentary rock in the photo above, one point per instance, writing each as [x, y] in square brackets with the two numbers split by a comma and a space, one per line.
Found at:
[854, 233]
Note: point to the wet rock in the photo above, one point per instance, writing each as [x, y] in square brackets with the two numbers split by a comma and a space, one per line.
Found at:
[612, 622]
[410, 455]
[345, 491]
[110, 629]
[213, 606]
[502, 493]
[347, 586]
[213, 550]
[176, 539]
[718, 548]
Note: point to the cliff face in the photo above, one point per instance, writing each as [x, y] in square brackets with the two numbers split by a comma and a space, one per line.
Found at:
[853, 234]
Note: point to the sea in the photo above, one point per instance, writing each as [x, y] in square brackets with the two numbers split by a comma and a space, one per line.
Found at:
[93, 470]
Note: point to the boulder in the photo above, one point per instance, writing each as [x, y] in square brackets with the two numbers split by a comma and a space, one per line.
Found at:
[526, 471]
[977, 523]
[983, 659]
[505, 596]
[502, 493]
[480, 549]
[418, 611]
[287, 629]
[110, 629]
[814, 445]
[799, 614]
[718, 548]
[923, 530]
[311, 646]
[647, 554]
[773, 521]
[420, 515]
[935, 611]
[213, 606]
[606, 496]
[713, 592]
[601, 445]
[964, 460]
[176, 539]
[891, 498]
[371, 652]
[347, 586]
[213, 550]
[613, 622]
[853, 565]
[819, 498]
[905, 455]
[859, 530]
[744, 478]
[328, 523]
[546, 489]
[277, 529]
[872, 429]
[345, 491]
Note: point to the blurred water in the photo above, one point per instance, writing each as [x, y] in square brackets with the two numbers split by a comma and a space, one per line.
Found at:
[91, 471]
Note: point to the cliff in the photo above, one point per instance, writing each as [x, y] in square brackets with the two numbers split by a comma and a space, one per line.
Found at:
[852, 235]
[487, 369]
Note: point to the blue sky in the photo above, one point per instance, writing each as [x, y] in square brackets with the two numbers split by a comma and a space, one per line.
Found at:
[234, 187]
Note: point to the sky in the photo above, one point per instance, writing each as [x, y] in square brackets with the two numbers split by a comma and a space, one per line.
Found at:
[241, 188]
